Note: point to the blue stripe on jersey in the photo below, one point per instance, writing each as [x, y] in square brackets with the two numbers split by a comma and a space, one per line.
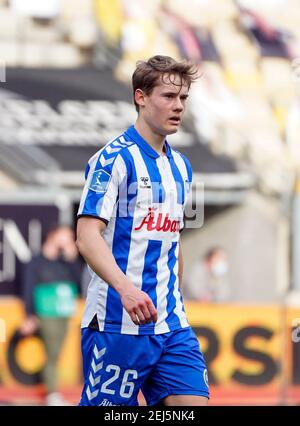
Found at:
[121, 246]
[149, 279]
[158, 191]
[181, 300]
[172, 319]
[179, 181]
[87, 169]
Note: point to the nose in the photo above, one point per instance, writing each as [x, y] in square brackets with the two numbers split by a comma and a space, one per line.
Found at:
[178, 106]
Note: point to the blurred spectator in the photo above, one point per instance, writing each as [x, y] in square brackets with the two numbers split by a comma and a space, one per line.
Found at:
[272, 41]
[208, 280]
[50, 290]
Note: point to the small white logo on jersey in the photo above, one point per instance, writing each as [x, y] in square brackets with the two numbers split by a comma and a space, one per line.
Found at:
[205, 377]
[100, 181]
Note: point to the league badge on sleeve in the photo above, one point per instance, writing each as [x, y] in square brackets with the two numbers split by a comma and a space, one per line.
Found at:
[100, 181]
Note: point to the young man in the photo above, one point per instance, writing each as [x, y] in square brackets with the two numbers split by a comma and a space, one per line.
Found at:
[135, 333]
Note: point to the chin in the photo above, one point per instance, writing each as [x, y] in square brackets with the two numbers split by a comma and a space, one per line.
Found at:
[167, 130]
[172, 130]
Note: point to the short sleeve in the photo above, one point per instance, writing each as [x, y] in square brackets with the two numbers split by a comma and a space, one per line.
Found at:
[100, 193]
[188, 178]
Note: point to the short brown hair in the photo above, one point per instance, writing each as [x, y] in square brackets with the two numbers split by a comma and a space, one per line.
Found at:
[147, 73]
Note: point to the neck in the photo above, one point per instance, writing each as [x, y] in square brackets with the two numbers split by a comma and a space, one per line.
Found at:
[154, 139]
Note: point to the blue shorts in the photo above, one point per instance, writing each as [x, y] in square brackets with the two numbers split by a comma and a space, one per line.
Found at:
[117, 366]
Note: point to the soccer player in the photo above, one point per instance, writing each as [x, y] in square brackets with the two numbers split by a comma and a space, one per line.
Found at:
[135, 334]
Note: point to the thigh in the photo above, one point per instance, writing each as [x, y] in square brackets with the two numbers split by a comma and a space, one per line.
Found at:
[115, 366]
[181, 370]
[185, 400]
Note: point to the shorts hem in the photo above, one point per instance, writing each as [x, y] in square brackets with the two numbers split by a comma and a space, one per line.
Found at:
[103, 328]
[177, 392]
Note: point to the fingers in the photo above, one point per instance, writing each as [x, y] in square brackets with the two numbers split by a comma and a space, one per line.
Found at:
[146, 313]
[134, 318]
[140, 308]
[152, 311]
[141, 320]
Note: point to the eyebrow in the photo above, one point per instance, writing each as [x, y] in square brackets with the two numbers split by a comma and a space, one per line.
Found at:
[175, 93]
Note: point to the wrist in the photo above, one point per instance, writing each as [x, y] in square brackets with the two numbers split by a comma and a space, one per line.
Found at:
[122, 286]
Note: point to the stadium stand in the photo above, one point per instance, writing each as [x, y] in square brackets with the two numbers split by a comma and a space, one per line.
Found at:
[244, 50]
[66, 91]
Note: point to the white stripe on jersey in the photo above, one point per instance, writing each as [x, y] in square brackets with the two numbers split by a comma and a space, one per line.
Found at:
[163, 276]
[181, 165]
[119, 168]
[91, 302]
[178, 308]
[92, 164]
[108, 236]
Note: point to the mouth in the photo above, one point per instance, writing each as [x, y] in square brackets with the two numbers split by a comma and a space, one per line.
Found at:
[174, 120]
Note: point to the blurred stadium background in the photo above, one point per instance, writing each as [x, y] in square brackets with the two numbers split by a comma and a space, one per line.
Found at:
[65, 91]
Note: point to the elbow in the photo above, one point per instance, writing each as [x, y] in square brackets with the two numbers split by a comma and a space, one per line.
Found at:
[79, 244]
[88, 231]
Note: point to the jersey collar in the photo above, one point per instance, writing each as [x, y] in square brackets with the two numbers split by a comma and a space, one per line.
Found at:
[136, 137]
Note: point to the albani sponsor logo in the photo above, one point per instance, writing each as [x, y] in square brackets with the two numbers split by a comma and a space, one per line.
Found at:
[106, 403]
[161, 222]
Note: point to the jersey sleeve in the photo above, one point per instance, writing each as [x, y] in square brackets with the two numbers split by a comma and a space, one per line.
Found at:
[188, 178]
[100, 193]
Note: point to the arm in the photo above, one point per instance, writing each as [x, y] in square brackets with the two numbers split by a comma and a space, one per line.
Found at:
[180, 264]
[90, 244]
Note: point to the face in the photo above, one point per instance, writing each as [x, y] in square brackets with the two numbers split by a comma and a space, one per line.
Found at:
[64, 237]
[219, 264]
[163, 109]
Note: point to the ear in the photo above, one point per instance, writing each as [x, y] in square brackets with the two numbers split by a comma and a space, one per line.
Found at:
[139, 97]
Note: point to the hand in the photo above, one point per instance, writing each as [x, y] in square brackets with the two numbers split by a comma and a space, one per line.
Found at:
[29, 325]
[138, 305]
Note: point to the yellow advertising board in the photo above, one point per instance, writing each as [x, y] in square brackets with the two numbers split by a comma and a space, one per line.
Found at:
[252, 353]
[243, 350]
[21, 359]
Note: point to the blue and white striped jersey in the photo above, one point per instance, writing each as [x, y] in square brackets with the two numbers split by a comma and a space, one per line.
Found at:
[141, 196]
